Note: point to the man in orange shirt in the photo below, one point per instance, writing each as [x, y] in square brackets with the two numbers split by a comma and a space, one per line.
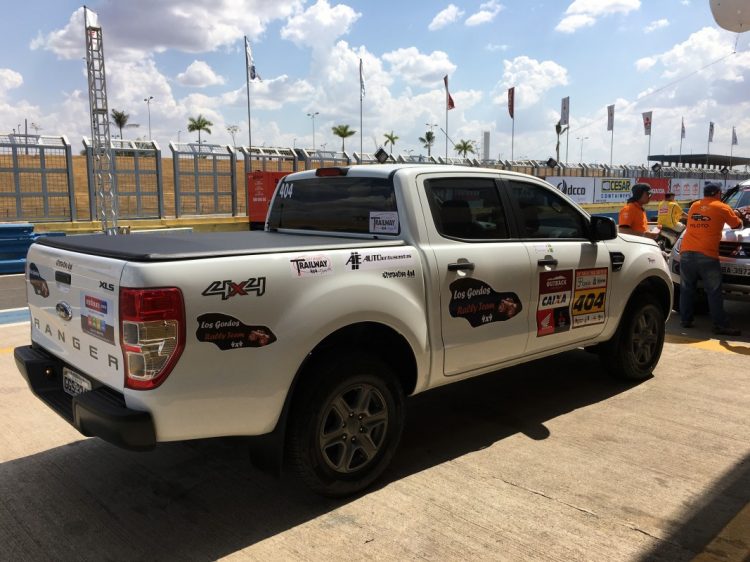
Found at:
[632, 219]
[699, 257]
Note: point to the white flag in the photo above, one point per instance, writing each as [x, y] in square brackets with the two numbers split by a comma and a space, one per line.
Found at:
[682, 130]
[565, 111]
[250, 62]
[361, 80]
[610, 117]
[734, 137]
[711, 131]
[647, 123]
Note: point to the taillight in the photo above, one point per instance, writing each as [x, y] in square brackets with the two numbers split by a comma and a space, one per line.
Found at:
[152, 334]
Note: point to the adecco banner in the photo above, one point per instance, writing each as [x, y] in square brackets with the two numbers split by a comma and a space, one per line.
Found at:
[659, 186]
[686, 189]
[612, 190]
[580, 190]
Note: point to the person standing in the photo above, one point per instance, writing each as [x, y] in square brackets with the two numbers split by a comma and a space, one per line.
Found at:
[699, 257]
[632, 218]
[670, 214]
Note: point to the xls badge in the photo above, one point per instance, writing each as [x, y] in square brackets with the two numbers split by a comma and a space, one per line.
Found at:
[228, 289]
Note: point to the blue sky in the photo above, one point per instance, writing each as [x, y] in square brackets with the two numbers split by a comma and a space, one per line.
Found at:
[641, 55]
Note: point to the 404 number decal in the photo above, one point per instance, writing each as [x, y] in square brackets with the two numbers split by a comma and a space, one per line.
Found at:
[592, 301]
[589, 297]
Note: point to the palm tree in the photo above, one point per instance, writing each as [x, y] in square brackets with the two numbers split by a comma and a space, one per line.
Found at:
[199, 124]
[427, 141]
[119, 118]
[559, 129]
[343, 131]
[390, 139]
[464, 147]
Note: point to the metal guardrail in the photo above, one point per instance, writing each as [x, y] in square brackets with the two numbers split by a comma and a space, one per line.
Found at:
[205, 179]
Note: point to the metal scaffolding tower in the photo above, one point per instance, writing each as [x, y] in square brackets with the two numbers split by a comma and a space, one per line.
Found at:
[100, 140]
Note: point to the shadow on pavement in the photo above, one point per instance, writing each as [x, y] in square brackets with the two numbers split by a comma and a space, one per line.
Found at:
[202, 499]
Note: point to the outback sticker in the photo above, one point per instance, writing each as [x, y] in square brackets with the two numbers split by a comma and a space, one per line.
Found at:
[38, 283]
[382, 259]
[97, 317]
[385, 222]
[479, 304]
[226, 332]
[228, 289]
[590, 297]
[553, 308]
[311, 266]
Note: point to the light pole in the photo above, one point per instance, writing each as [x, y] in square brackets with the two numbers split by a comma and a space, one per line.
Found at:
[148, 104]
[178, 135]
[294, 142]
[312, 116]
[581, 139]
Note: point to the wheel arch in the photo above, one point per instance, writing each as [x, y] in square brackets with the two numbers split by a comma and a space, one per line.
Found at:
[654, 287]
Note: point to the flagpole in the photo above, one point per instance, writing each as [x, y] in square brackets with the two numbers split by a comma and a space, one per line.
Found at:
[649, 147]
[512, 136]
[611, 144]
[731, 149]
[361, 127]
[247, 80]
[679, 161]
[446, 126]
[567, 142]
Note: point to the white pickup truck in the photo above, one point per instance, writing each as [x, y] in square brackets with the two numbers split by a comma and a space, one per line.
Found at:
[369, 284]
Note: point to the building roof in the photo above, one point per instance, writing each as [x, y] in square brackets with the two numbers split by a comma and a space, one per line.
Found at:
[700, 160]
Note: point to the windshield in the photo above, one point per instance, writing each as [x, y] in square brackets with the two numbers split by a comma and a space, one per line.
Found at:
[358, 205]
[739, 199]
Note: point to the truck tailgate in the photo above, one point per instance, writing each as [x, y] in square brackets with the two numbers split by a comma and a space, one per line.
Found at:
[73, 300]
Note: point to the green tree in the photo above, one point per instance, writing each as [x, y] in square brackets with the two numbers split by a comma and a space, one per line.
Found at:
[427, 141]
[559, 129]
[343, 131]
[199, 124]
[464, 147]
[119, 118]
[390, 139]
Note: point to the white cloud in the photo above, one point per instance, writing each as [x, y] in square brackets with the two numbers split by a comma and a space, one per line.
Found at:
[584, 13]
[445, 17]
[320, 25]
[9, 79]
[656, 24]
[486, 13]
[494, 47]
[645, 63]
[196, 26]
[416, 68]
[199, 75]
[531, 79]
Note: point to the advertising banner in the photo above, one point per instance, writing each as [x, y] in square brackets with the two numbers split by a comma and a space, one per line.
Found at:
[580, 190]
[686, 189]
[659, 186]
[260, 188]
[612, 190]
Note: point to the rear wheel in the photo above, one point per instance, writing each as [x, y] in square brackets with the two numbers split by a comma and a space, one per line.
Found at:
[636, 347]
[346, 423]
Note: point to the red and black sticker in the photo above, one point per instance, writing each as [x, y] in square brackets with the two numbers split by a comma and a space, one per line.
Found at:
[226, 332]
[553, 310]
[590, 298]
[479, 304]
[38, 283]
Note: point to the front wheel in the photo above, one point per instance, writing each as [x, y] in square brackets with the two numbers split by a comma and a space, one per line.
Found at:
[636, 347]
[346, 423]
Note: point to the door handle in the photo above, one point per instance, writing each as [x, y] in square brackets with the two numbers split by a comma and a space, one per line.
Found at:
[547, 261]
[460, 266]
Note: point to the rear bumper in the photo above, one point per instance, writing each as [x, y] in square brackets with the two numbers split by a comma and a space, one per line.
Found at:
[100, 412]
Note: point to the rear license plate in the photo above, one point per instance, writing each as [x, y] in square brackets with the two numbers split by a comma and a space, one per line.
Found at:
[73, 383]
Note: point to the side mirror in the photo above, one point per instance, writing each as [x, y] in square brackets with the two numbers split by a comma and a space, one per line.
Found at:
[602, 228]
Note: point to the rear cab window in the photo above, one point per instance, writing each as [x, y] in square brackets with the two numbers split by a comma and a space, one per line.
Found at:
[347, 204]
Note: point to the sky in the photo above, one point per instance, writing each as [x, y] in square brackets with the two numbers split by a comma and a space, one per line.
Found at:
[664, 56]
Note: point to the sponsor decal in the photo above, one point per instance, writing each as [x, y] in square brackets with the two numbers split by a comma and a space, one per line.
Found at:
[553, 308]
[409, 274]
[385, 222]
[543, 248]
[590, 297]
[227, 332]
[479, 304]
[38, 283]
[311, 266]
[228, 289]
[75, 344]
[64, 265]
[379, 260]
[97, 318]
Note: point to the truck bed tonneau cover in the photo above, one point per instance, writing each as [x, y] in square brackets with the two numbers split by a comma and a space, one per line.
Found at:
[157, 246]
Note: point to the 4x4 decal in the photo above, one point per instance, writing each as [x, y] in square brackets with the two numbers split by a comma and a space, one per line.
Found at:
[228, 289]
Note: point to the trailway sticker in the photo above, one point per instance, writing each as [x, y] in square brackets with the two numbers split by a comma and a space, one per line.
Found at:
[590, 297]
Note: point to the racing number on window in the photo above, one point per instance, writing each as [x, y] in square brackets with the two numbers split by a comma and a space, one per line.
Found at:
[286, 190]
[589, 301]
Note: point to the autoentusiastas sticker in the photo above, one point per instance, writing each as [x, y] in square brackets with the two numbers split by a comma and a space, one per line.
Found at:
[553, 310]
[590, 297]
[227, 332]
[479, 304]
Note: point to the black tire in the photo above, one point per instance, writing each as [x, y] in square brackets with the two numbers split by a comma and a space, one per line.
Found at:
[346, 423]
[636, 347]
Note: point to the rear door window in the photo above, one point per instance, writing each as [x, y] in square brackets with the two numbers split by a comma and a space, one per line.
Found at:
[544, 214]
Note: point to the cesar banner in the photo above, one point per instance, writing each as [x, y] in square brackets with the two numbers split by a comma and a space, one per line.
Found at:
[686, 189]
[612, 190]
[580, 190]
[659, 187]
